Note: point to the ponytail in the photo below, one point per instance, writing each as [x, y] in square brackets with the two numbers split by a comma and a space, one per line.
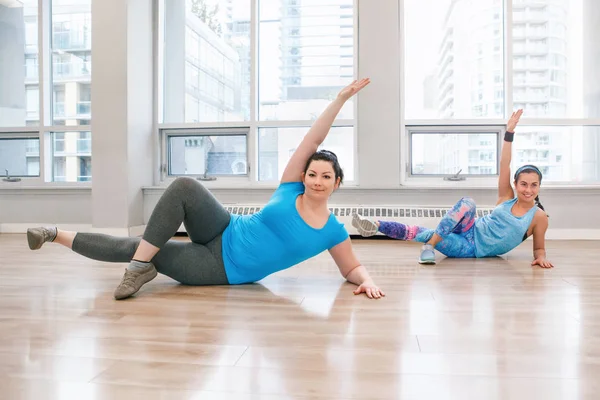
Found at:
[537, 203]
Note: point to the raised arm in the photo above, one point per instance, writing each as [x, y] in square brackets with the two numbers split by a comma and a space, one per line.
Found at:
[318, 132]
[505, 190]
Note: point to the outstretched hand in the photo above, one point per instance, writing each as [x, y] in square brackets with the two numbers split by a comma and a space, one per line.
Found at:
[542, 262]
[370, 289]
[514, 120]
[353, 88]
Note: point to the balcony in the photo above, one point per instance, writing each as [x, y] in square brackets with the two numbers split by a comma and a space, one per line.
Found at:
[72, 40]
[72, 70]
[84, 146]
[83, 110]
[32, 149]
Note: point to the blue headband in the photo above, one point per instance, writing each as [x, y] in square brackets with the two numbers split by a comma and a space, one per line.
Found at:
[532, 168]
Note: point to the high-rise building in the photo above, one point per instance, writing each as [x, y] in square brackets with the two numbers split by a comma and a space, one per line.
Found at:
[470, 77]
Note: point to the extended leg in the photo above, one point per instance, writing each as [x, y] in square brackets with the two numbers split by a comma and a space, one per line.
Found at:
[396, 230]
[185, 262]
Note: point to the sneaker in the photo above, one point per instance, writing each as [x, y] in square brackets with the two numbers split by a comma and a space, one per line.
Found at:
[365, 226]
[427, 255]
[36, 237]
[133, 280]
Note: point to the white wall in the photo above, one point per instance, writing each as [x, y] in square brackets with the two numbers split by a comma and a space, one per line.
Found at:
[379, 145]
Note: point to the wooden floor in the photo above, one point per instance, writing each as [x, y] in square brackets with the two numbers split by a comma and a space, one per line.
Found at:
[463, 329]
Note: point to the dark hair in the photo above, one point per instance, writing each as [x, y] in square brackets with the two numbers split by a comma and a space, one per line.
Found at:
[326, 155]
[531, 168]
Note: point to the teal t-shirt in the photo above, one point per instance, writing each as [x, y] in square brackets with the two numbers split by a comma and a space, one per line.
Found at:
[275, 238]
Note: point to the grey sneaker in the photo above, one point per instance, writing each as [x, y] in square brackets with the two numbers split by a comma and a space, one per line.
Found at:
[36, 237]
[133, 280]
[427, 255]
[365, 226]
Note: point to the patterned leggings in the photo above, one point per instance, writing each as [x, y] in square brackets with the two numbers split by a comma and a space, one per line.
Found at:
[456, 230]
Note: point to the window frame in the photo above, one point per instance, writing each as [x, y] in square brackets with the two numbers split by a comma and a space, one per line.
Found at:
[411, 130]
[490, 181]
[167, 134]
[25, 135]
[251, 180]
[45, 127]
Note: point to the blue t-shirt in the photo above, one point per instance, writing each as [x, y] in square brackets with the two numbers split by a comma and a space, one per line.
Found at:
[275, 238]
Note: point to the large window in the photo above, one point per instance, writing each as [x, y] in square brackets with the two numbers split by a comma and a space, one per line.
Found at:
[458, 64]
[450, 151]
[19, 99]
[222, 154]
[269, 71]
[454, 52]
[52, 152]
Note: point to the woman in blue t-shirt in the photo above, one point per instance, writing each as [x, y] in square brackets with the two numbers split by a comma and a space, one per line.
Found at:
[294, 225]
[461, 235]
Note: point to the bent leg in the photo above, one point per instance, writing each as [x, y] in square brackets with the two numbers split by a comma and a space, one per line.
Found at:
[457, 246]
[459, 219]
[186, 201]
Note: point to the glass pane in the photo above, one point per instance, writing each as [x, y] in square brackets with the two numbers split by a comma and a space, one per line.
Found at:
[276, 146]
[206, 61]
[306, 55]
[210, 155]
[71, 156]
[21, 157]
[556, 59]
[449, 153]
[454, 59]
[19, 76]
[71, 61]
[562, 153]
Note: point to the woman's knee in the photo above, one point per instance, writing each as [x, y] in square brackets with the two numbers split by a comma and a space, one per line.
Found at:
[185, 185]
[467, 202]
[185, 181]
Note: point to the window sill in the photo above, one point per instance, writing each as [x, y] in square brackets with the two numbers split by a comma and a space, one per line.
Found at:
[411, 186]
[439, 183]
[19, 186]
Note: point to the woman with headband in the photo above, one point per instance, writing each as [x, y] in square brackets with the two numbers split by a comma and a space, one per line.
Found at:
[461, 235]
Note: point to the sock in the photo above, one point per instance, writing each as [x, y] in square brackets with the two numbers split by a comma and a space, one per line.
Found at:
[54, 232]
[136, 265]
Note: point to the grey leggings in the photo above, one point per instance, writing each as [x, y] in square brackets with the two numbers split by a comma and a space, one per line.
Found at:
[197, 263]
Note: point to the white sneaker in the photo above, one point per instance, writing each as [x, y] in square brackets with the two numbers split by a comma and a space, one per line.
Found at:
[427, 255]
[365, 226]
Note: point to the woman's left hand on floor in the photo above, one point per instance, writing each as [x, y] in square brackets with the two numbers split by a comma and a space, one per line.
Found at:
[370, 289]
[542, 262]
